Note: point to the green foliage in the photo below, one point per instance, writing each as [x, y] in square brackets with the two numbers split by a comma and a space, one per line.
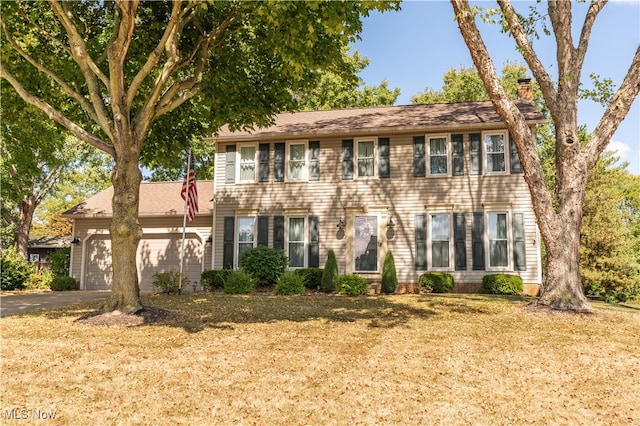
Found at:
[41, 279]
[214, 278]
[264, 264]
[61, 283]
[238, 282]
[389, 276]
[312, 277]
[437, 282]
[330, 273]
[60, 261]
[169, 282]
[290, 283]
[352, 285]
[15, 270]
[502, 284]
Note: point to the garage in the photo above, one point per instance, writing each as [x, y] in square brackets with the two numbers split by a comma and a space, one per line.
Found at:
[156, 253]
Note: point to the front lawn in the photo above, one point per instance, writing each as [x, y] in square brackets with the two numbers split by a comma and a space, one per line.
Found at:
[319, 359]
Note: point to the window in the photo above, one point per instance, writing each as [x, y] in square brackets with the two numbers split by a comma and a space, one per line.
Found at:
[438, 155]
[247, 169]
[296, 242]
[495, 149]
[366, 159]
[297, 161]
[498, 240]
[366, 243]
[440, 241]
[246, 234]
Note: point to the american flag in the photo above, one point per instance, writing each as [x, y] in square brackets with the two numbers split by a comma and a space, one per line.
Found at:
[189, 191]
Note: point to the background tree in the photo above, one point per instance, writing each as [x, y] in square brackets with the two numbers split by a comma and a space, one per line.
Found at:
[559, 214]
[138, 80]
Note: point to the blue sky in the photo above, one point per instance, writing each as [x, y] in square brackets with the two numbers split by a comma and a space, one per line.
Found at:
[413, 49]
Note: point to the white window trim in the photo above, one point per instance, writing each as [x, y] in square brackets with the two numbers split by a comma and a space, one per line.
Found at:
[237, 236]
[305, 171]
[378, 216]
[487, 248]
[305, 239]
[429, 240]
[507, 155]
[239, 162]
[427, 151]
[356, 152]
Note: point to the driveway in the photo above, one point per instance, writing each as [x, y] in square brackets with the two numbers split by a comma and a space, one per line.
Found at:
[12, 304]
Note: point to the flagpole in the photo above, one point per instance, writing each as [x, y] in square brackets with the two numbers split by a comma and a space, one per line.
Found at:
[184, 220]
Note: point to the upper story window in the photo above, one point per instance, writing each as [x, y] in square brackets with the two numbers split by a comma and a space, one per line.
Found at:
[495, 150]
[438, 152]
[247, 163]
[297, 160]
[366, 158]
[438, 155]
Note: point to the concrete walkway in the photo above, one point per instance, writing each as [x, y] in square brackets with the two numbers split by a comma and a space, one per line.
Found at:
[19, 303]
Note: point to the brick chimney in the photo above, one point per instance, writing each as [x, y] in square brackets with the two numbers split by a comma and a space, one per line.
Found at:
[525, 91]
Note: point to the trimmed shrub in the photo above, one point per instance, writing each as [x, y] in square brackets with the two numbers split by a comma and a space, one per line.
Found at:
[290, 283]
[502, 284]
[60, 261]
[169, 282]
[14, 270]
[61, 283]
[41, 279]
[312, 277]
[389, 276]
[352, 285]
[438, 282]
[238, 282]
[330, 274]
[264, 264]
[214, 278]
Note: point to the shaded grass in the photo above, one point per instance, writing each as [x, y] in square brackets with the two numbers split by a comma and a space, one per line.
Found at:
[317, 359]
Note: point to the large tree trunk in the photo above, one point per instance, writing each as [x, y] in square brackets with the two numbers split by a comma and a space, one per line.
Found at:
[125, 232]
[27, 208]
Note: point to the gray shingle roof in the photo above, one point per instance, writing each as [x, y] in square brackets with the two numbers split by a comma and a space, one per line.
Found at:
[156, 198]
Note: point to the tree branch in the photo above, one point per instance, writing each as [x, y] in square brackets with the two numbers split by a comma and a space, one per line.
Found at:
[585, 34]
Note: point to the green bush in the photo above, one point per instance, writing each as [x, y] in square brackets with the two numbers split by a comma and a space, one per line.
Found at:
[438, 282]
[214, 278]
[352, 285]
[238, 282]
[264, 264]
[330, 274]
[389, 276]
[502, 284]
[290, 283]
[41, 279]
[312, 277]
[60, 261]
[14, 270]
[169, 282]
[61, 283]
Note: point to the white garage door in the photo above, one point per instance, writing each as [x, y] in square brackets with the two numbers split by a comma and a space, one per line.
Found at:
[156, 253]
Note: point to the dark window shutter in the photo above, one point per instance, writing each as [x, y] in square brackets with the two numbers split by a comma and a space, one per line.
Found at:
[514, 159]
[477, 239]
[459, 239]
[384, 164]
[519, 246]
[264, 162]
[314, 242]
[278, 161]
[419, 165]
[314, 160]
[263, 231]
[475, 154]
[457, 150]
[230, 165]
[421, 241]
[278, 232]
[227, 248]
[347, 159]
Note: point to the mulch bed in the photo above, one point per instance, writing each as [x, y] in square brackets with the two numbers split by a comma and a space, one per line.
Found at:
[148, 315]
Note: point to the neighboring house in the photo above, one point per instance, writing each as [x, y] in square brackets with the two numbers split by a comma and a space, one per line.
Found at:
[161, 218]
[40, 250]
[441, 186]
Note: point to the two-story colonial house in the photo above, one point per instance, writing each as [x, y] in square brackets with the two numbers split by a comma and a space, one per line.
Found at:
[440, 186]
